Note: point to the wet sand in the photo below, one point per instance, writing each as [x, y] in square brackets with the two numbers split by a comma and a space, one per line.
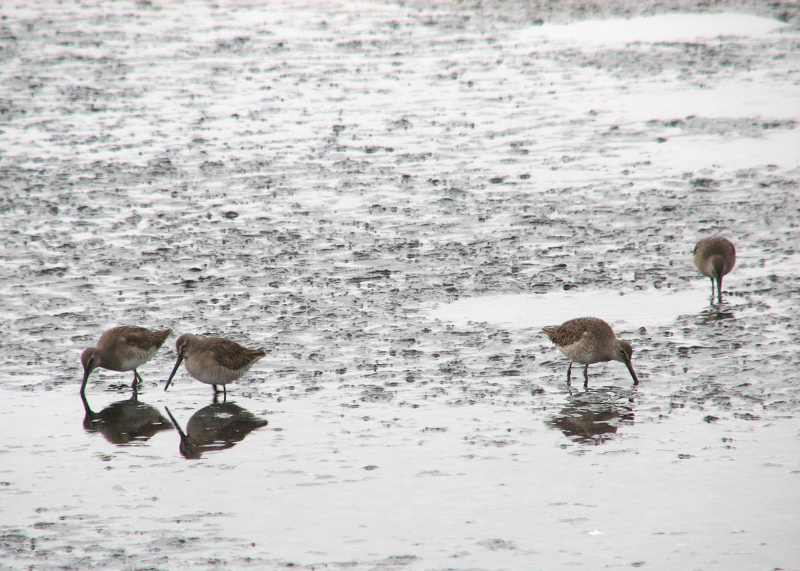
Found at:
[391, 200]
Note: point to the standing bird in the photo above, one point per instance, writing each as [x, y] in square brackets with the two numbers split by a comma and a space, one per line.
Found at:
[122, 349]
[715, 257]
[212, 360]
[588, 340]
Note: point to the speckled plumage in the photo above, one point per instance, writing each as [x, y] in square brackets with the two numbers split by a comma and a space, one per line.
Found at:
[714, 258]
[122, 348]
[213, 360]
[588, 340]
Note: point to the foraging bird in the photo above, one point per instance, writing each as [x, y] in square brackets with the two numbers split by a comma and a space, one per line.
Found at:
[588, 340]
[212, 360]
[122, 349]
[715, 257]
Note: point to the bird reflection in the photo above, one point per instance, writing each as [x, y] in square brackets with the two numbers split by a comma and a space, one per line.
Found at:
[715, 313]
[594, 415]
[215, 427]
[124, 421]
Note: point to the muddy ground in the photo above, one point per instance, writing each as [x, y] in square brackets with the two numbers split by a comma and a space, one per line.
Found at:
[316, 180]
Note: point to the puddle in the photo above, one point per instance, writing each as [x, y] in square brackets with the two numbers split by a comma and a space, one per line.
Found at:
[633, 310]
[661, 28]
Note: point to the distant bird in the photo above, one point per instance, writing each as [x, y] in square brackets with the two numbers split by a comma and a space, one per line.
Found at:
[212, 360]
[122, 349]
[588, 340]
[715, 257]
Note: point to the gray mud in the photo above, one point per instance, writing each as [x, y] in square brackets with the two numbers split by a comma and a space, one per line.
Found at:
[315, 180]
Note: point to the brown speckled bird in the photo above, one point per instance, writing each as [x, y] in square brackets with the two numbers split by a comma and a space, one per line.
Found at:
[212, 360]
[122, 349]
[588, 340]
[715, 257]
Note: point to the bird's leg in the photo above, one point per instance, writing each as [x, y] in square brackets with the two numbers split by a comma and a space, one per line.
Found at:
[586, 377]
[569, 373]
[224, 393]
[137, 378]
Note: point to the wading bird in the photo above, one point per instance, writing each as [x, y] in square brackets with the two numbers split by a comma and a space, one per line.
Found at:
[588, 340]
[122, 349]
[212, 360]
[715, 257]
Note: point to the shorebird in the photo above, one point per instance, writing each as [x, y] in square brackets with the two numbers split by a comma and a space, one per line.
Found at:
[212, 360]
[588, 340]
[715, 257]
[122, 349]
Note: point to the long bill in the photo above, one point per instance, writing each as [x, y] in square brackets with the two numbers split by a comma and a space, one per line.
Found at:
[86, 373]
[174, 370]
[632, 372]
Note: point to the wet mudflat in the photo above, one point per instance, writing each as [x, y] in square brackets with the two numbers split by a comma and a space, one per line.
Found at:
[391, 201]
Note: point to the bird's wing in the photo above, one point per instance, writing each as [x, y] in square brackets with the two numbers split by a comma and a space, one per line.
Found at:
[567, 333]
[233, 356]
[139, 337]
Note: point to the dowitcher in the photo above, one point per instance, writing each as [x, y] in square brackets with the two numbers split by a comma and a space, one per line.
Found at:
[715, 257]
[588, 340]
[122, 349]
[212, 360]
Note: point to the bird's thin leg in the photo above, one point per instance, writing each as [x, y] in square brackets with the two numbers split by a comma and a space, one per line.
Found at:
[137, 378]
[586, 376]
[569, 373]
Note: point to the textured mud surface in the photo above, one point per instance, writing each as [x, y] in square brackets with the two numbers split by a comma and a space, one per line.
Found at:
[318, 181]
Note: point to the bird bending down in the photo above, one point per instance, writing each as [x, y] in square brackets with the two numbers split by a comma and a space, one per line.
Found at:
[715, 257]
[212, 360]
[588, 340]
[122, 349]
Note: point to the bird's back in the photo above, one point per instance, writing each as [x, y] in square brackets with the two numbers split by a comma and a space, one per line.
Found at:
[572, 331]
[714, 257]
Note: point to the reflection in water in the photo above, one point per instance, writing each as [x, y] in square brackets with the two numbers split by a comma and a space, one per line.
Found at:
[124, 421]
[594, 415]
[216, 427]
[715, 313]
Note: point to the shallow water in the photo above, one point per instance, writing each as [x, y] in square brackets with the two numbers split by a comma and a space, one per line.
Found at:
[391, 201]
[645, 308]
